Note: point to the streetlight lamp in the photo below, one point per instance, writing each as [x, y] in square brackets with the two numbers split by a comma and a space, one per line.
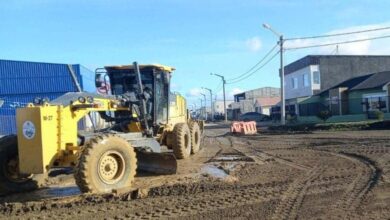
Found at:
[205, 109]
[211, 102]
[282, 107]
[224, 96]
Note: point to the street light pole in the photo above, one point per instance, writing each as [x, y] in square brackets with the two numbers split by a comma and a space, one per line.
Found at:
[200, 109]
[224, 95]
[211, 102]
[205, 109]
[282, 107]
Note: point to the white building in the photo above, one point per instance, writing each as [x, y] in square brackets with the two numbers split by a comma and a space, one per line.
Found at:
[264, 105]
[303, 82]
[246, 101]
[219, 106]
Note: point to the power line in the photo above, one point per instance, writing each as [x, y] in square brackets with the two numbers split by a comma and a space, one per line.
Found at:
[218, 87]
[253, 67]
[339, 34]
[336, 43]
[269, 60]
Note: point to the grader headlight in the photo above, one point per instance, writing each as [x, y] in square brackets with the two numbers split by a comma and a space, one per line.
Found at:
[90, 99]
[82, 99]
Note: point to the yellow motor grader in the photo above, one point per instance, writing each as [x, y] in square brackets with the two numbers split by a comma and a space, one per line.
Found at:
[148, 129]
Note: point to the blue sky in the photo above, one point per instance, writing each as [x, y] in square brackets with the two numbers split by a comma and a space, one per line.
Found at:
[196, 37]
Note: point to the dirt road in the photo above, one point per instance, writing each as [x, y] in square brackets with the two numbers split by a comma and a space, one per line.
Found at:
[321, 175]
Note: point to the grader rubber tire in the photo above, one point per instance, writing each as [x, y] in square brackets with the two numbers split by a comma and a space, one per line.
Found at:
[11, 181]
[107, 162]
[182, 141]
[195, 137]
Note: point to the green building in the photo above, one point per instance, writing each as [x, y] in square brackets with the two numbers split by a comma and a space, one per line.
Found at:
[354, 98]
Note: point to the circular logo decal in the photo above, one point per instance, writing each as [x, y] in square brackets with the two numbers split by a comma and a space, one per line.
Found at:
[28, 129]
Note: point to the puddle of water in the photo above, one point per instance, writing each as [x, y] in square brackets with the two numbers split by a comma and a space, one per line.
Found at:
[44, 193]
[230, 166]
[229, 158]
[214, 171]
[232, 158]
[54, 192]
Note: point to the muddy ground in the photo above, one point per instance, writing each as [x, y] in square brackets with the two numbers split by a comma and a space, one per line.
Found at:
[320, 175]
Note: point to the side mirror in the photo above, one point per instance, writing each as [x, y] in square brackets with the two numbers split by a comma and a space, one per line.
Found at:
[167, 78]
[98, 80]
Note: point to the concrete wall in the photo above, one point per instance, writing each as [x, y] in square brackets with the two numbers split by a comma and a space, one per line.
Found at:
[336, 69]
[248, 104]
[219, 106]
[262, 92]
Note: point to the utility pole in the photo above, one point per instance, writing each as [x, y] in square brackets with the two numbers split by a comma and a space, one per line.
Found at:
[211, 102]
[205, 109]
[282, 107]
[224, 94]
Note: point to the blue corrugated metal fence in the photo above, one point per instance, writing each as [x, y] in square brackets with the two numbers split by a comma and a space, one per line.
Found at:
[21, 82]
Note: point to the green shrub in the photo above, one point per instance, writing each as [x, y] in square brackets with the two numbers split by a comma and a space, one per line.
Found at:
[379, 115]
[292, 119]
[324, 115]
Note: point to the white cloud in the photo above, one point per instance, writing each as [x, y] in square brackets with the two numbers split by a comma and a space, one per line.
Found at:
[194, 92]
[358, 48]
[235, 91]
[230, 93]
[253, 44]
[175, 86]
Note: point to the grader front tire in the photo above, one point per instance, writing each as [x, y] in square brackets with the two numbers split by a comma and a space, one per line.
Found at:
[11, 181]
[182, 141]
[195, 137]
[107, 162]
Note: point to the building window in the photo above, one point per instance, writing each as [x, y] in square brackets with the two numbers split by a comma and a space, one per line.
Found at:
[306, 80]
[372, 102]
[316, 77]
[294, 82]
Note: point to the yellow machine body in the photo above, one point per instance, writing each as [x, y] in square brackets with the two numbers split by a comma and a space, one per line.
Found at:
[48, 133]
[37, 137]
[177, 110]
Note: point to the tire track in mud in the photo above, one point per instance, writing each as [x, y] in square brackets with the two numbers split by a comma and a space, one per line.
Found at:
[360, 186]
[356, 189]
[201, 203]
[261, 156]
[293, 198]
[210, 196]
[368, 174]
[171, 202]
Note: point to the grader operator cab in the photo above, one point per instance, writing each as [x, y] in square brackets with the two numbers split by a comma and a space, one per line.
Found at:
[149, 128]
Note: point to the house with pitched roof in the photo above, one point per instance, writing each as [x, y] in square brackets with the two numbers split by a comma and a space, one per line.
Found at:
[355, 96]
[313, 74]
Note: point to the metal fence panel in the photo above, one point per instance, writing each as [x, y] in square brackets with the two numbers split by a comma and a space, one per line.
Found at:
[346, 107]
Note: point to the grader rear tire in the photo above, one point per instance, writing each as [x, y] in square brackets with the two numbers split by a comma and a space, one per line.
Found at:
[182, 141]
[11, 181]
[107, 162]
[195, 137]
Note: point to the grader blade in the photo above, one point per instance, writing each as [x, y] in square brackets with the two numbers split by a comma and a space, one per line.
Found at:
[159, 163]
